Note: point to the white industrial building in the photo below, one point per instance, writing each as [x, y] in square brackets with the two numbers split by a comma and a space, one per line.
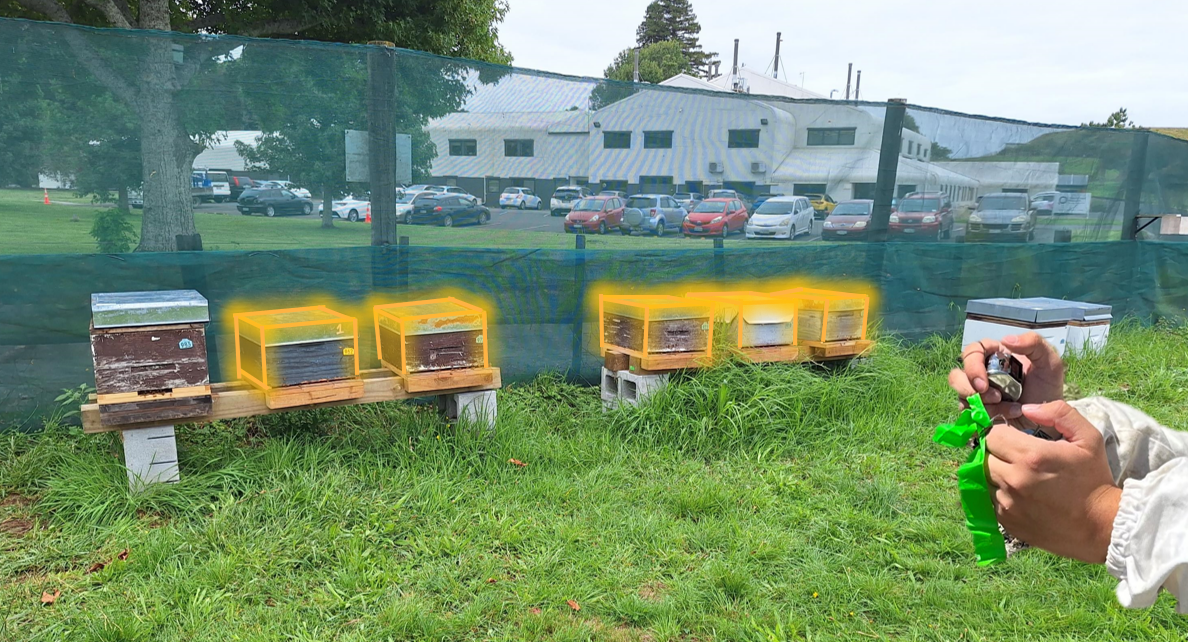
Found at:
[673, 140]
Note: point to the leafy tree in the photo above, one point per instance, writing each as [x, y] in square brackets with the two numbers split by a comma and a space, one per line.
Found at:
[940, 152]
[112, 231]
[169, 84]
[657, 62]
[1116, 120]
[674, 20]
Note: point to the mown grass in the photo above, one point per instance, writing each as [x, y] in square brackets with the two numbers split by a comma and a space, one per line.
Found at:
[742, 503]
[28, 226]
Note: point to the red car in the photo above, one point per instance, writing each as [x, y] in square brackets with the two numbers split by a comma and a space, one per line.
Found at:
[595, 214]
[922, 214]
[716, 217]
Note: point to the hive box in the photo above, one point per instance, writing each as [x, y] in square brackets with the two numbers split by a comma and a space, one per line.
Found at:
[647, 326]
[437, 334]
[149, 351]
[277, 348]
[753, 319]
[827, 316]
[1063, 324]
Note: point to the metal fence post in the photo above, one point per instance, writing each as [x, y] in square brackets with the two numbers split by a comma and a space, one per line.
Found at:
[1136, 174]
[888, 169]
[381, 141]
[579, 305]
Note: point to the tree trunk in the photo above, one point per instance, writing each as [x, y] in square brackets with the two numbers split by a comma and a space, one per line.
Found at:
[327, 208]
[167, 154]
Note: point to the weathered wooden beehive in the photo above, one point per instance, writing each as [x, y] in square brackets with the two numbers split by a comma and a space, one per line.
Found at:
[752, 319]
[295, 346]
[436, 334]
[827, 316]
[149, 350]
[654, 325]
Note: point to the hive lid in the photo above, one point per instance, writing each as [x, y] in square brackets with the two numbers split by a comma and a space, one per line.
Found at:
[431, 317]
[1033, 310]
[295, 325]
[163, 307]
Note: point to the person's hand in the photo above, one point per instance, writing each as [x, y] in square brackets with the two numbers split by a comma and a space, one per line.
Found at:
[1043, 373]
[1055, 495]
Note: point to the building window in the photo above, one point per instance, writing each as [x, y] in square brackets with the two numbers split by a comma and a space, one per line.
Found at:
[463, 147]
[911, 148]
[616, 140]
[658, 140]
[518, 147]
[831, 136]
[744, 139]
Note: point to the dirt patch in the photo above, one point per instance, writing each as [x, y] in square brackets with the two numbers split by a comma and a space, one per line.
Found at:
[16, 526]
[653, 591]
[16, 500]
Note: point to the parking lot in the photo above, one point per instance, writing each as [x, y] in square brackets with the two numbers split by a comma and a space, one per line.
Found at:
[541, 221]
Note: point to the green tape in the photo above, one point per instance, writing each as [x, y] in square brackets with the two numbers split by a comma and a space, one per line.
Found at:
[972, 482]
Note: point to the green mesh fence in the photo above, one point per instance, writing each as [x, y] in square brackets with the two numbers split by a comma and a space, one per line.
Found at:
[286, 161]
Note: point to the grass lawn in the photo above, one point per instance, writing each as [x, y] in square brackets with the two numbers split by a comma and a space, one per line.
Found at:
[743, 503]
[27, 226]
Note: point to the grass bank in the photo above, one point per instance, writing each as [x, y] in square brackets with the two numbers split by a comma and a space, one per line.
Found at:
[744, 503]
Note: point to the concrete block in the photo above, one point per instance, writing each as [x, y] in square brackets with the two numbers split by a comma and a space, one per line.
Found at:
[480, 407]
[610, 387]
[636, 388]
[150, 455]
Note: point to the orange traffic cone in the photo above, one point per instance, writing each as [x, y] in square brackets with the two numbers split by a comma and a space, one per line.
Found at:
[46, 191]
[368, 214]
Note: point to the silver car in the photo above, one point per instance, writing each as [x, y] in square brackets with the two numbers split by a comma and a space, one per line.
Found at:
[652, 214]
[1001, 217]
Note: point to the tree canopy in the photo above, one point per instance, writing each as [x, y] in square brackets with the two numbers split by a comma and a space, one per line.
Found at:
[657, 62]
[674, 20]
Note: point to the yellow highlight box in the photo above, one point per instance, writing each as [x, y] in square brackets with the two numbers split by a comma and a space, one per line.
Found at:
[293, 346]
[430, 335]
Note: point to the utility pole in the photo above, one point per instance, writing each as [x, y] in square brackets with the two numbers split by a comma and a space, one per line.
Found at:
[849, 74]
[858, 85]
[888, 169]
[776, 65]
[381, 140]
[635, 73]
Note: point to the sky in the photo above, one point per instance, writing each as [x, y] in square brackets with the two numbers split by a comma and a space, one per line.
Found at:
[1045, 61]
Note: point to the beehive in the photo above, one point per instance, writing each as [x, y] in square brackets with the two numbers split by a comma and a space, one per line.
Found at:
[827, 316]
[645, 326]
[753, 319]
[149, 351]
[277, 348]
[436, 334]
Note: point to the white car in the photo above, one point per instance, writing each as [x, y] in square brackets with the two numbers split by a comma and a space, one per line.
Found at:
[461, 193]
[781, 217]
[520, 197]
[564, 197]
[352, 209]
[404, 204]
[300, 191]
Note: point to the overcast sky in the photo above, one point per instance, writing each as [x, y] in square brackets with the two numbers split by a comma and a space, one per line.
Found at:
[1041, 60]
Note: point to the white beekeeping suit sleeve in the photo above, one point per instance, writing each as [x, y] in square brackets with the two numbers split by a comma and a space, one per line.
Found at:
[1149, 544]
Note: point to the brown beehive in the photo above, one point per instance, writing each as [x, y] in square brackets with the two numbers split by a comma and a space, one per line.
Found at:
[430, 335]
[294, 346]
[827, 316]
[653, 325]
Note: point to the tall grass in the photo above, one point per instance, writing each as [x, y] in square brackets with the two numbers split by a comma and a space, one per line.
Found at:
[741, 503]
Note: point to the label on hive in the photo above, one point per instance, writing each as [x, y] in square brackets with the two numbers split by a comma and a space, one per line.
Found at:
[843, 325]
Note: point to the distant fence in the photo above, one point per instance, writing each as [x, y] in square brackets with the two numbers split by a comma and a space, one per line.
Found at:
[540, 300]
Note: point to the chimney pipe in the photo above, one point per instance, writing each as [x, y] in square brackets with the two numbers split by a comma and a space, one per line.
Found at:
[858, 85]
[849, 73]
[635, 73]
[775, 72]
[734, 70]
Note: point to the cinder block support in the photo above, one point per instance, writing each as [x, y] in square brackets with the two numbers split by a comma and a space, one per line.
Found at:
[150, 455]
[626, 387]
[481, 408]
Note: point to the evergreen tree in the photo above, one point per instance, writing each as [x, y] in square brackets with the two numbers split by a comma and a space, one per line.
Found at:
[674, 20]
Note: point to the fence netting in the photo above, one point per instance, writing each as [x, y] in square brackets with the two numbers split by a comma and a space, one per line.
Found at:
[285, 160]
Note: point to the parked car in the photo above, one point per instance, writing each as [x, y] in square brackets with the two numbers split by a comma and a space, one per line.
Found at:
[823, 204]
[781, 217]
[300, 191]
[688, 200]
[612, 192]
[652, 213]
[240, 183]
[446, 210]
[406, 203]
[459, 192]
[716, 217]
[352, 208]
[596, 214]
[216, 185]
[761, 199]
[272, 202]
[520, 197]
[564, 198]
[848, 220]
[926, 214]
[1044, 203]
[1002, 217]
[732, 193]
